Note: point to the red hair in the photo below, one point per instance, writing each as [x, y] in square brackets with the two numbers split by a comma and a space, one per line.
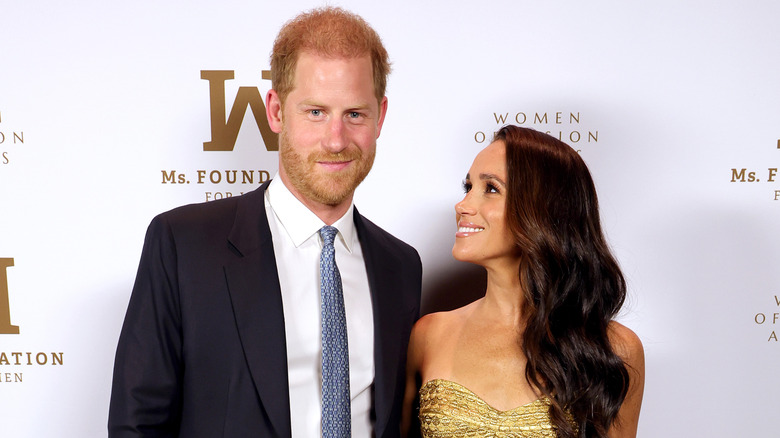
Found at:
[331, 32]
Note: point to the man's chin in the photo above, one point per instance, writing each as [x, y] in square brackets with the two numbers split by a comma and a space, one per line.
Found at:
[328, 188]
[331, 196]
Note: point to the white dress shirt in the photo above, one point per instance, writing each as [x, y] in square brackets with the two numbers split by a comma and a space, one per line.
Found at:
[297, 248]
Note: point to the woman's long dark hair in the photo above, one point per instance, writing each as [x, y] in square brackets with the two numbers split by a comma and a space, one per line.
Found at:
[572, 283]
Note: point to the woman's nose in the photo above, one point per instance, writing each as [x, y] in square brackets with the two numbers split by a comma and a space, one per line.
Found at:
[464, 206]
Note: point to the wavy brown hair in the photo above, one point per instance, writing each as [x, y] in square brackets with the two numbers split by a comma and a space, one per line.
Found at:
[572, 284]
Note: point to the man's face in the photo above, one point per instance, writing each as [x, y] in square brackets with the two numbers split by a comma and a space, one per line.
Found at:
[329, 124]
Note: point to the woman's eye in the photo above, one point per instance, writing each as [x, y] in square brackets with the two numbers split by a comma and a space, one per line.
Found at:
[490, 188]
[466, 186]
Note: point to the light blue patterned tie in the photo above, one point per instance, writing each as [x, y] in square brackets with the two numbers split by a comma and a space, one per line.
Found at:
[336, 418]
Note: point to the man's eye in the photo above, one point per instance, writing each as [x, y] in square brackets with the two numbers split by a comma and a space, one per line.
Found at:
[316, 112]
[354, 114]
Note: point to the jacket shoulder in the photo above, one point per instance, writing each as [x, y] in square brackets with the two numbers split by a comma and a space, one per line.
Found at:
[390, 243]
[209, 216]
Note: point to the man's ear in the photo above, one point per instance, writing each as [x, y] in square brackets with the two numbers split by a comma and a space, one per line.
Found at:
[382, 113]
[273, 110]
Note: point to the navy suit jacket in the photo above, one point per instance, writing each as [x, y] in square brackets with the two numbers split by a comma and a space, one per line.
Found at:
[202, 351]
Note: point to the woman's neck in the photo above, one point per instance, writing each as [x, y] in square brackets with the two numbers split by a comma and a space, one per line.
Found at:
[504, 297]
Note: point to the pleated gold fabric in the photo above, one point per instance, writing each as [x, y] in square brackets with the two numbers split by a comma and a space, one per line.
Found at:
[448, 409]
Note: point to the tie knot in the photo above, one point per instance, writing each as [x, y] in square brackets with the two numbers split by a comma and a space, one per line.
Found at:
[328, 234]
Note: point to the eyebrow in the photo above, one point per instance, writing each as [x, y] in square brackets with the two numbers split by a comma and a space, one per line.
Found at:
[488, 176]
[312, 102]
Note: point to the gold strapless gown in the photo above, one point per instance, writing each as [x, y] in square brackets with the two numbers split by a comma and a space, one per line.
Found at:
[448, 409]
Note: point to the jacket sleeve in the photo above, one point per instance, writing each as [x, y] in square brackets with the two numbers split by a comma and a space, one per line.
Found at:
[146, 392]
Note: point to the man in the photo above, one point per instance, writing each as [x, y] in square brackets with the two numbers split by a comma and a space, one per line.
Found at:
[222, 336]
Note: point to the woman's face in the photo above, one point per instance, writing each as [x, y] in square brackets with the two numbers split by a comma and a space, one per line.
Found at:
[482, 236]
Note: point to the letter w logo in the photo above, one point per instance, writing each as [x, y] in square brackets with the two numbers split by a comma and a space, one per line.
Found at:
[224, 133]
[5, 309]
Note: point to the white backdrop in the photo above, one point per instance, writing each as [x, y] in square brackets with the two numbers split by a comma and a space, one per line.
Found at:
[668, 102]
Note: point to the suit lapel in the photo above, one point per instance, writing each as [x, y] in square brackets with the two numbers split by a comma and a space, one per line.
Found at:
[387, 323]
[253, 282]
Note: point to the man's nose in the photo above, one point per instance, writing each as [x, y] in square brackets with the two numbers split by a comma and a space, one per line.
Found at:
[335, 139]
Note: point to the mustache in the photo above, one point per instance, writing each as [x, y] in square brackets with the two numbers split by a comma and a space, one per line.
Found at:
[351, 154]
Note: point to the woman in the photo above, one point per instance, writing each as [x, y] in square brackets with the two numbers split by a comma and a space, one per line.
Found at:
[540, 355]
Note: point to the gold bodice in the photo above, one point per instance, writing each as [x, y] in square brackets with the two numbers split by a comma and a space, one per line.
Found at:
[448, 409]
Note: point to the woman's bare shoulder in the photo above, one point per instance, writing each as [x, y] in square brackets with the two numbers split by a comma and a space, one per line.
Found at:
[431, 335]
[627, 345]
[431, 324]
[435, 327]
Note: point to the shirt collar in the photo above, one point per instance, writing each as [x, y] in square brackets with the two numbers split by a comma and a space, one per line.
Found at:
[299, 222]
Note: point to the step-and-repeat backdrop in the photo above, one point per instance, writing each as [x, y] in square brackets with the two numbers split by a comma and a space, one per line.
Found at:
[112, 112]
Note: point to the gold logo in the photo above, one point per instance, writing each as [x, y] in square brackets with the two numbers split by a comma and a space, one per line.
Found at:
[770, 318]
[224, 131]
[756, 176]
[5, 306]
[563, 125]
[225, 126]
[11, 362]
[9, 138]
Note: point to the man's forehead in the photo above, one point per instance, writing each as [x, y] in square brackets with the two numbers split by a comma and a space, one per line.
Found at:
[308, 56]
[312, 61]
[331, 54]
